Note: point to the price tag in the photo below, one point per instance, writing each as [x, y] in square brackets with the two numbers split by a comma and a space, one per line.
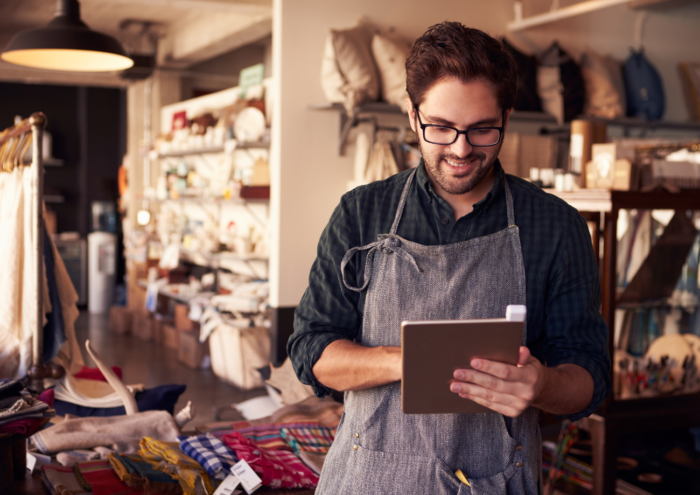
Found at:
[228, 486]
[249, 480]
[31, 462]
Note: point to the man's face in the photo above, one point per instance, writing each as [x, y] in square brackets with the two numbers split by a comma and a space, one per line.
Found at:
[459, 167]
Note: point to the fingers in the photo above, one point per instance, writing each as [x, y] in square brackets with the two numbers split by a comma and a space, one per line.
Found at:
[524, 357]
[505, 404]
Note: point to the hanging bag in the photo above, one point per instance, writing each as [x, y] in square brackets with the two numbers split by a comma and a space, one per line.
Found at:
[645, 92]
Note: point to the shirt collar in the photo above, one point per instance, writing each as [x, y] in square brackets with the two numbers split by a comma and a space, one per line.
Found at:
[423, 182]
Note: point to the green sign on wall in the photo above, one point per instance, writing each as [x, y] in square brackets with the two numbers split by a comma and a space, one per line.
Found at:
[251, 76]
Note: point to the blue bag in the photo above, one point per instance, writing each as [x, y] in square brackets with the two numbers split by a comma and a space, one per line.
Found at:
[645, 92]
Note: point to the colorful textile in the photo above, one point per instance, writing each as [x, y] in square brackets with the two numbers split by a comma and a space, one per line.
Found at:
[137, 473]
[61, 480]
[211, 453]
[103, 480]
[167, 457]
[160, 398]
[326, 411]
[95, 373]
[26, 427]
[309, 439]
[121, 433]
[276, 468]
[269, 437]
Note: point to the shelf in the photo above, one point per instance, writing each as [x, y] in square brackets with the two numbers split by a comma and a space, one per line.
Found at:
[378, 107]
[586, 199]
[54, 198]
[49, 162]
[239, 201]
[212, 150]
[208, 259]
[182, 298]
[562, 13]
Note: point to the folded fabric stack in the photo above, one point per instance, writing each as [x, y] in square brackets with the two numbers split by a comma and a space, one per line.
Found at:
[168, 458]
[211, 453]
[138, 454]
[22, 413]
[276, 468]
[137, 473]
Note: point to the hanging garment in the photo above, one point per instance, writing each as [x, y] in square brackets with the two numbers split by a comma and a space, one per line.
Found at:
[54, 330]
[381, 164]
[18, 281]
[377, 448]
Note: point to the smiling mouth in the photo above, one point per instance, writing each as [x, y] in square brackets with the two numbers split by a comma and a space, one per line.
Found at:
[463, 164]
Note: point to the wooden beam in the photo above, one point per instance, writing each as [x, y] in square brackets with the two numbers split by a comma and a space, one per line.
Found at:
[205, 36]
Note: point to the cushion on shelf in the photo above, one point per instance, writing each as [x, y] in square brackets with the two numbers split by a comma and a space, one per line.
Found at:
[348, 71]
[390, 55]
[527, 99]
[605, 91]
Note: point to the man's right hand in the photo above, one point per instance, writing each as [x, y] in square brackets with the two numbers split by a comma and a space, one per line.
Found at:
[347, 366]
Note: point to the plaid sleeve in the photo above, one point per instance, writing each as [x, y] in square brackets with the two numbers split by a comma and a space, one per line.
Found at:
[214, 456]
[328, 311]
[575, 330]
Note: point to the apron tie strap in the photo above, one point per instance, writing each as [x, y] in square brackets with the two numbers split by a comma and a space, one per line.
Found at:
[368, 264]
[387, 245]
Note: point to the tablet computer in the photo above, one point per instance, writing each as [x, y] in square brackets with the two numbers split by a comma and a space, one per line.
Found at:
[432, 350]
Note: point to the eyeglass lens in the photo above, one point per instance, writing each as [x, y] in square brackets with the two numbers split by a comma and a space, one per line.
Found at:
[448, 135]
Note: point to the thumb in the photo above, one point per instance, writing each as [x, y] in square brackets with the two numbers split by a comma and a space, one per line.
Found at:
[525, 357]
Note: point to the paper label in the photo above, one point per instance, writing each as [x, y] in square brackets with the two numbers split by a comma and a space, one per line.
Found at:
[576, 150]
[31, 462]
[249, 480]
[228, 486]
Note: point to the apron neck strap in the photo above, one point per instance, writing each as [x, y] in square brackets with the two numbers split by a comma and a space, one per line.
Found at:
[402, 202]
[509, 204]
[406, 188]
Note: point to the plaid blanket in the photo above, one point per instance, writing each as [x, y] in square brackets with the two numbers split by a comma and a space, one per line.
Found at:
[211, 453]
[276, 468]
[310, 439]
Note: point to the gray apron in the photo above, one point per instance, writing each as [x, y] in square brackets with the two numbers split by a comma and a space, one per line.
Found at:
[380, 450]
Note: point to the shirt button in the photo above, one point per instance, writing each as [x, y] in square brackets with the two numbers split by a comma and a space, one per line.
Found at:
[354, 447]
[357, 435]
[445, 221]
[518, 464]
[519, 447]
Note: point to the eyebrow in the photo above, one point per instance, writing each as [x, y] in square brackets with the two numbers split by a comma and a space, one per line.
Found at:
[445, 122]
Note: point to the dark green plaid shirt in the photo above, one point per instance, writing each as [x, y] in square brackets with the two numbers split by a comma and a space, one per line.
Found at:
[564, 324]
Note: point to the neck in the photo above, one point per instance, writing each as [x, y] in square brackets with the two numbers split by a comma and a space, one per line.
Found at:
[463, 204]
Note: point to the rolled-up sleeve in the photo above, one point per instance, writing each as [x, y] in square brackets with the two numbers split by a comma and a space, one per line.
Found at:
[575, 330]
[328, 311]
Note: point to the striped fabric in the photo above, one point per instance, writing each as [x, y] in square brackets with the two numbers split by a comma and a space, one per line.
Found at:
[210, 452]
[276, 468]
[269, 437]
[311, 439]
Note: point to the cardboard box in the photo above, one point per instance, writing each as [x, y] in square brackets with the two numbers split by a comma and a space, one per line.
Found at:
[159, 320]
[171, 337]
[191, 351]
[182, 319]
[238, 353]
[120, 320]
[143, 325]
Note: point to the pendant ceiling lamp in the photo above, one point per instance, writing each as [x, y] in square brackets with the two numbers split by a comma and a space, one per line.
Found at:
[66, 43]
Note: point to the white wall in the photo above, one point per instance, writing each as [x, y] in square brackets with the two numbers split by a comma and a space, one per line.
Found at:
[308, 176]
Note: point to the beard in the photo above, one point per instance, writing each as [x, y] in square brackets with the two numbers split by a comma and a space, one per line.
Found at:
[459, 183]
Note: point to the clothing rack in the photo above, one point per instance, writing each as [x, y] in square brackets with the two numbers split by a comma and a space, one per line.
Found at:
[14, 144]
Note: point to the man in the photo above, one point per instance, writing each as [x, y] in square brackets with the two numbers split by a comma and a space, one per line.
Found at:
[456, 238]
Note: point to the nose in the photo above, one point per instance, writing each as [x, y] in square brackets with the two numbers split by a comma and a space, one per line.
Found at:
[461, 148]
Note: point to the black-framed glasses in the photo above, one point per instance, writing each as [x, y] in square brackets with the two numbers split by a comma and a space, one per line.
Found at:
[476, 136]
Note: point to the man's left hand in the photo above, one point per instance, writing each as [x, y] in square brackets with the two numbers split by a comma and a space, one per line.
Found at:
[503, 388]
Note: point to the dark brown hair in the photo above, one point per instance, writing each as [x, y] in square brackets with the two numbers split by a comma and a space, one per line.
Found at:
[451, 49]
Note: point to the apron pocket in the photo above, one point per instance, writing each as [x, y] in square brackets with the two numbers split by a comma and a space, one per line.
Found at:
[495, 485]
[388, 473]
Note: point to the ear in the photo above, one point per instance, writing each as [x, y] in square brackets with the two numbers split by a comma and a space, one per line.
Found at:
[506, 118]
[410, 110]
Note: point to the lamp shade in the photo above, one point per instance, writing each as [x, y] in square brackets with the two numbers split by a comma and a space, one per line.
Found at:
[66, 43]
